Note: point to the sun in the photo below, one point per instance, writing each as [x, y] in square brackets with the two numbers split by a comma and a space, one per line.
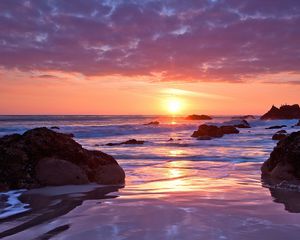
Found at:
[174, 105]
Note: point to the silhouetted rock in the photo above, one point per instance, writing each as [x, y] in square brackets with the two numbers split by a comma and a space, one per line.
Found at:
[237, 123]
[55, 128]
[276, 127]
[170, 140]
[284, 112]
[244, 117]
[131, 141]
[198, 117]
[42, 157]
[229, 130]
[208, 131]
[152, 123]
[298, 124]
[284, 161]
[278, 136]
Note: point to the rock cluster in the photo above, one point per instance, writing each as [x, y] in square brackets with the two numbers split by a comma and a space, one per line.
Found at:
[284, 112]
[43, 157]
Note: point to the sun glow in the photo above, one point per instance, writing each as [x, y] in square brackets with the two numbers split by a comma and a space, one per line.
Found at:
[174, 105]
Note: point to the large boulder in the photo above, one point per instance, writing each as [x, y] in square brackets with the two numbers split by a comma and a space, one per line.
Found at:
[284, 112]
[198, 117]
[42, 157]
[284, 161]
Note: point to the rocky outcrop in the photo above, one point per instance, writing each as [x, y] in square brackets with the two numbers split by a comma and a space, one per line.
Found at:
[198, 117]
[284, 161]
[284, 112]
[152, 123]
[131, 141]
[207, 132]
[43, 157]
[276, 127]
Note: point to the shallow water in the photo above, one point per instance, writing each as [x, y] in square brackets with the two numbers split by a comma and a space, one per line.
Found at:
[181, 189]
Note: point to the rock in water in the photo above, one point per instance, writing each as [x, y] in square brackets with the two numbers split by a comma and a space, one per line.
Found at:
[198, 117]
[284, 161]
[42, 157]
[229, 130]
[208, 131]
[284, 112]
[277, 127]
[237, 123]
[298, 124]
[152, 123]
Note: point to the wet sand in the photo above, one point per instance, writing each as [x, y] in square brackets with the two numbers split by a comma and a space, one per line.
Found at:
[176, 200]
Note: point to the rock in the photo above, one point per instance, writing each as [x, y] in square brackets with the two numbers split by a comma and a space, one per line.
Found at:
[42, 157]
[284, 112]
[56, 172]
[229, 130]
[170, 140]
[283, 162]
[131, 141]
[276, 127]
[55, 127]
[198, 117]
[281, 131]
[278, 136]
[208, 131]
[237, 123]
[298, 124]
[244, 117]
[152, 123]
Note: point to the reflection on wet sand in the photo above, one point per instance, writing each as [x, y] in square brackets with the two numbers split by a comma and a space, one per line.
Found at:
[286, 193]
[52, 202]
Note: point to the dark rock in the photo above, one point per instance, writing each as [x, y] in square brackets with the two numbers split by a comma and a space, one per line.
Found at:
[131, 141]
[229, 130]
[38, 156]
[281, 131]
[170, 140]
[284, 112]
[284, 161]
[55, 127]
[276, 127]
[298, 124]
[278, 136]
[152, 123]
[198, 117]
[208, 131]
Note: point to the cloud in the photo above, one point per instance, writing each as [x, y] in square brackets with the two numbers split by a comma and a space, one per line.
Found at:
[220, 40]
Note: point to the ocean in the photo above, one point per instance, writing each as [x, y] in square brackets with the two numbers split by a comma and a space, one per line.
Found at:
[175, 189]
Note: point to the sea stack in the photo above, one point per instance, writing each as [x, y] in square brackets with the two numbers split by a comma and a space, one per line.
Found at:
[284, 112]
[42, 157]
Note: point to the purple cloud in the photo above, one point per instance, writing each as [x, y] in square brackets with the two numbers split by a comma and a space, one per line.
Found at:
[195, 40]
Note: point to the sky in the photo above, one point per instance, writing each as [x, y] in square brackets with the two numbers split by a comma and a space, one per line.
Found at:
[135, 56]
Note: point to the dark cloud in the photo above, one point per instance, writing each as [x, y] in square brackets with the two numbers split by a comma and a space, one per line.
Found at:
[212, 39]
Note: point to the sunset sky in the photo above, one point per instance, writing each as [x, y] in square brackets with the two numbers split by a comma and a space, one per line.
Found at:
[133, 56]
